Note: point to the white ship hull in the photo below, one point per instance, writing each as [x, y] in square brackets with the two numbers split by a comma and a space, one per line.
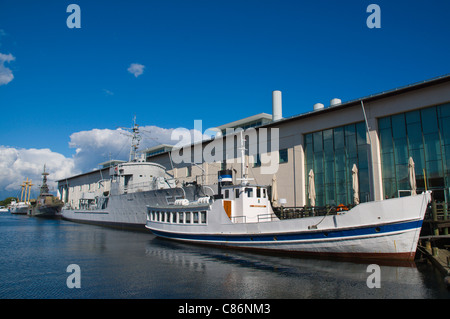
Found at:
[387, 229]
[19, 208]
[126, 211]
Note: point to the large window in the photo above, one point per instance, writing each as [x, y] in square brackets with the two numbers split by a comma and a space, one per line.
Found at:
[423, 135]
[331, 155]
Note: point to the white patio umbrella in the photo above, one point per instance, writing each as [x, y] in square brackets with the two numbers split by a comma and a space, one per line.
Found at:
[412, 176]
[311, 189]
[355, 184]
[274, 190]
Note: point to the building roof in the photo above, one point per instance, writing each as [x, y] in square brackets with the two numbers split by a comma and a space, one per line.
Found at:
[110, 163]
[370, 98]
[242, 122]
[267, 118]
[157, 148]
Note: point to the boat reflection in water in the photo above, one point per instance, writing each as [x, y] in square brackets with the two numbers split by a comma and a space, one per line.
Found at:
[210, 272]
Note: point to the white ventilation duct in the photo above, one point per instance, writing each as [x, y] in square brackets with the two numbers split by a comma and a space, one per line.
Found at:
[318, 106]
[335, 102]
[276, 106]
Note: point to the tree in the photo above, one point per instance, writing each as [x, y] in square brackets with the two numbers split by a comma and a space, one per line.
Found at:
[7, 201]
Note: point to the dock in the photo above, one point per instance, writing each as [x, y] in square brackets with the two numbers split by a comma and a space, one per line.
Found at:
[435, 247]
[440, 258]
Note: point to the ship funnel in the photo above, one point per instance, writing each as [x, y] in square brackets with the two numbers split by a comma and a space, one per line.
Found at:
[276, 106]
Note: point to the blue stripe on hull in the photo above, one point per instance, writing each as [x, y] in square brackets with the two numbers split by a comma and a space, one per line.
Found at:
[295, 236]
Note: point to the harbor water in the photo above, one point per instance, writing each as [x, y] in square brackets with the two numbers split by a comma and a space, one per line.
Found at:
[36, 253]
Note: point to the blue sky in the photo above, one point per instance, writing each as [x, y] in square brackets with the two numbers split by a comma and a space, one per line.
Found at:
[213, 60]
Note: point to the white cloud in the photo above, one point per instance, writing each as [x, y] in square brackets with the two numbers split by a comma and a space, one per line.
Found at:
[18, 164]
[136, 69]
[108, 92]
[6, 74]
[99, 145]
[91, 148]
[96, 146]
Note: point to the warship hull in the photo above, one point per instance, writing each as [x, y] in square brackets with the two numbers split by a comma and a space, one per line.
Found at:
[128, 211]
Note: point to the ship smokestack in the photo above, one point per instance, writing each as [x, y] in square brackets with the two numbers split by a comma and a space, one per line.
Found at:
[276, 106]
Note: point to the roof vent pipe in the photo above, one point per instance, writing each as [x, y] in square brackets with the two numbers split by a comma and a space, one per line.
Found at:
[335, 102]
[276, 106]
[318, 106]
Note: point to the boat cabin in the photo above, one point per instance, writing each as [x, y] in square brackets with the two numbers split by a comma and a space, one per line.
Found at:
[139, 176]
[247, 203]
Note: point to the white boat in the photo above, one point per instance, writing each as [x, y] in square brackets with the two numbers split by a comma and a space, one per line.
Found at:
[19, 208]
[386, 229]
[242, 217]
[3, 209]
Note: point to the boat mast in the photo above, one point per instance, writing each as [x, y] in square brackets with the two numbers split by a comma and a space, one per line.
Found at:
[135, 140]
[29, 190]
[44, 187]
[24, 185]
[26, 188]
[244, 166]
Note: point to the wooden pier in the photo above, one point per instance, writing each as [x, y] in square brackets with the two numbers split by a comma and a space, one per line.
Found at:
[434, 240]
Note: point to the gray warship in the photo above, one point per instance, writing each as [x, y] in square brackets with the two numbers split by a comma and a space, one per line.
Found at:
[46, 205]
[133, 185]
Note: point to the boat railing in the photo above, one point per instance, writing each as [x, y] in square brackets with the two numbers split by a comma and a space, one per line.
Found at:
[309, 211]
[261, 218]
[239, 219]
[267, 217]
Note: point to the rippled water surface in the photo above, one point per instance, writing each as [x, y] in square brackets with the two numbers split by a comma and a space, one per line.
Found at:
[35, 254]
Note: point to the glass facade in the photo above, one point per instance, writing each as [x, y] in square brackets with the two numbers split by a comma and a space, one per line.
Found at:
[423, 135]
[331, 154]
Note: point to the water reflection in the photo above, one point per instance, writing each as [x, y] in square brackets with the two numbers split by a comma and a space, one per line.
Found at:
[252, 275]
[124, 264]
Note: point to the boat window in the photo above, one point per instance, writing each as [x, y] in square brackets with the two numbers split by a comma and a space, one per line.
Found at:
[258, 192]
[227, 193]
[203, 217]
[249, 191]
[157, 216]
[264, 193]
[181, 217]
[195, 218]
[237, 191]
[188, 217]
[174, 217]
